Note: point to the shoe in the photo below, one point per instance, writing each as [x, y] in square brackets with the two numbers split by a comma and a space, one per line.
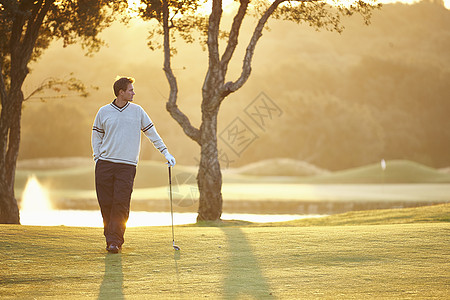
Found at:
[113, 248]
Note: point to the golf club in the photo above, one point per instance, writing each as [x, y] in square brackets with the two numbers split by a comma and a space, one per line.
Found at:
[171, 209]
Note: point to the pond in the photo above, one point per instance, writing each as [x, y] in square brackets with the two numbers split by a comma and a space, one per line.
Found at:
[93, 218]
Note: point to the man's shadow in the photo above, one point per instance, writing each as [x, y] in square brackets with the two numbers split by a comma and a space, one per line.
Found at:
[112, 284]
[244, 277]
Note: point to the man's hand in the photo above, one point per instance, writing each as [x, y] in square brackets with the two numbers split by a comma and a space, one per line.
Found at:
[170, 159]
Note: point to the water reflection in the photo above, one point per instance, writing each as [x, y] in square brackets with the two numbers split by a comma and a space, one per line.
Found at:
[34, 197]
[93, 218]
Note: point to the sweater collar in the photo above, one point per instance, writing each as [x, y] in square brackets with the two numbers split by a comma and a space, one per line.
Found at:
[121, 109]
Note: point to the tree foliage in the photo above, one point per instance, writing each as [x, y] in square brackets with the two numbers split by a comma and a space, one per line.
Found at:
[33, 25]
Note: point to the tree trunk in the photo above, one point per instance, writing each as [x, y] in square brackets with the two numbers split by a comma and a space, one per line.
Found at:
[10, 139]
[209, 176]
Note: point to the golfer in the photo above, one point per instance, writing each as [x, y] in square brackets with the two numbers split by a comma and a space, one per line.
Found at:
[116, 138]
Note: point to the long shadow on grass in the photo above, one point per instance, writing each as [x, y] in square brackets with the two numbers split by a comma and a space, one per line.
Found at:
[112, 285]
[243, 276]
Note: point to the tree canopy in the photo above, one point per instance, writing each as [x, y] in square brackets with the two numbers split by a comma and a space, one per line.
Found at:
[27, 28]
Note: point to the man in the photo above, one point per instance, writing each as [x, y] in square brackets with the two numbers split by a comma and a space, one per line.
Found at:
[116, 137]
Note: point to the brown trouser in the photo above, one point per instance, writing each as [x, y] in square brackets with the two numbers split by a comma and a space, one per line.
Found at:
[114, 185]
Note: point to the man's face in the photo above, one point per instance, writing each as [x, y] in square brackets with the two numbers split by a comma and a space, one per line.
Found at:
[129, 93]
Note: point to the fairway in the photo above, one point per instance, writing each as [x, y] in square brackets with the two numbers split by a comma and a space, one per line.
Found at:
[232, 262]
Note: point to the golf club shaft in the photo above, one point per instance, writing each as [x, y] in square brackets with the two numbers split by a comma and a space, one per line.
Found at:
[171, 206]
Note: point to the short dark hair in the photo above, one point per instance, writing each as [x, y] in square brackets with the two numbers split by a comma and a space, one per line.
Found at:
[122, 84]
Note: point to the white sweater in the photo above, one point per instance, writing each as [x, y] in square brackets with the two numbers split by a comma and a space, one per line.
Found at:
[116, 134]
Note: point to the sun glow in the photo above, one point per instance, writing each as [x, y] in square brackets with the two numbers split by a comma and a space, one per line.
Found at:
[228, 6]
[133, 7]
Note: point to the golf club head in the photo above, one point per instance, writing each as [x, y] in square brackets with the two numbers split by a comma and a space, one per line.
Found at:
[175, 247]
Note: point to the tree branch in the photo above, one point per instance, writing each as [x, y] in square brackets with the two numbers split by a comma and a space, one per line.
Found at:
[57, 84]
[231, 87]
[213, 32]
[33, 27]
[22, 48]
[212, 76]
[234, 34]
[16, 31]
[171, 104]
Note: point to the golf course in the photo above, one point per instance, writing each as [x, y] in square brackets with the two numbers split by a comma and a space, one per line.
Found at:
[397, 253]
[383, 254]
[224, 149]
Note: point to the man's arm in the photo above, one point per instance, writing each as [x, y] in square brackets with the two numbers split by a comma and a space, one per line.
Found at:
[97, 136]
[150, 132]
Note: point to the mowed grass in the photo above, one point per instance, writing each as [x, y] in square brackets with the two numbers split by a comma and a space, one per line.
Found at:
[235, 260]
[427, 214]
